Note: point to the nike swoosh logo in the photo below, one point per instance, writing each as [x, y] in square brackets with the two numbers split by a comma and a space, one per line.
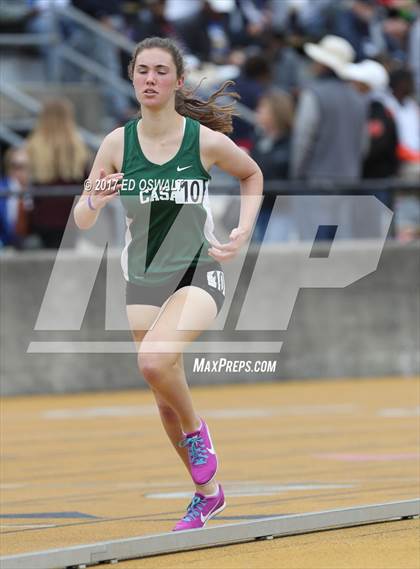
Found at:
[204, 519]
[178, 169]
[211, 449]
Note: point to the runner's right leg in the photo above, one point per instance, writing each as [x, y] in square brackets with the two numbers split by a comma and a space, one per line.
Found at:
[141, 318]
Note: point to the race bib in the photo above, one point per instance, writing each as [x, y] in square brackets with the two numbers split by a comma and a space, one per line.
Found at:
[190, 191]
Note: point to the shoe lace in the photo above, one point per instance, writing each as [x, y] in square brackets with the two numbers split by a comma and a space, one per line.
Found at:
[196, 506]
[196, 449]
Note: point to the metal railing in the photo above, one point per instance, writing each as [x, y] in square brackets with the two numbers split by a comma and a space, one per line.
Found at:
[79, 17]
[27, 40]
[9, 136]
[33, 106]
[276, 187]
[98, 70]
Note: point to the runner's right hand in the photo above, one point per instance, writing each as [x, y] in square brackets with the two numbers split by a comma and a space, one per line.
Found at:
[104, 189]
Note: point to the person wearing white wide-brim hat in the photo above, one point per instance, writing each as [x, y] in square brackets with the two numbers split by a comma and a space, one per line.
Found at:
[333, 52]
[329, 134]
[371, 78]
[368, 73]
[328, 103]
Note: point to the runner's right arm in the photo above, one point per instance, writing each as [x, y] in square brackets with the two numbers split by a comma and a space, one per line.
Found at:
[104, 181]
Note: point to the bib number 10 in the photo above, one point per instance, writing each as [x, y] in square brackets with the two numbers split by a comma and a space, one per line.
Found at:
[191, 191]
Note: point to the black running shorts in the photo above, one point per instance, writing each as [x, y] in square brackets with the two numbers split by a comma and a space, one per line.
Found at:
[209, 277]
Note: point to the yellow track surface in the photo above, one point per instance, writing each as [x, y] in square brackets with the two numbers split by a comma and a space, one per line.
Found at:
[95, 467]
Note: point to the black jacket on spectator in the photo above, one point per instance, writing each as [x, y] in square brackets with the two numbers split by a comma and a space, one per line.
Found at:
[250, 91]
[274, 162]
[98, 8]
[273, 159]
[382, 160]
[194, 32]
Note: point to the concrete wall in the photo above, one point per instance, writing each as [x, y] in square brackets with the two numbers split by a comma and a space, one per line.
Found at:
[369, 328]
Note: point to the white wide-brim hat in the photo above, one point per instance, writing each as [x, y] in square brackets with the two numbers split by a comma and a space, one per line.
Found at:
[222, 6]
[369, 72]
[332, 51]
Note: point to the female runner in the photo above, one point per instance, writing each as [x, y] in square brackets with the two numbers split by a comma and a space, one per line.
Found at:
[159, 165]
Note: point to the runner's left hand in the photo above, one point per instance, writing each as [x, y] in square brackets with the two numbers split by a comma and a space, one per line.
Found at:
[225, 252]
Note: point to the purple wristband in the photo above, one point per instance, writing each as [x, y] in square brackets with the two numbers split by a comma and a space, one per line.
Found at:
[90, 205]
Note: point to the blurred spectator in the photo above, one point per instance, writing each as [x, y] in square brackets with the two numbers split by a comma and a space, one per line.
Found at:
[251, 84]
[302, 17]
[15, 208]
[406, 112]
[271, 151]
[248, 22]
[359, 24]
[206, 33]
[329, 133]
[108, 14]
[414, 51]
[152, 21]
[289, 67]
[399, 14]
[57, 156]
[176, 10]
[371, 78]
[330, 118]
[381, 161]
[36, 17]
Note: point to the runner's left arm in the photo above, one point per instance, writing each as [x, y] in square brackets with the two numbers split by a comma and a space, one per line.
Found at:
[231, 159]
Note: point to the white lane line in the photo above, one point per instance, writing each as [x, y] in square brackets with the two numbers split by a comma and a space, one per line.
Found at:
[229, 413]
[112, 411]
[402, 412]
[27, 526]
[248, 490]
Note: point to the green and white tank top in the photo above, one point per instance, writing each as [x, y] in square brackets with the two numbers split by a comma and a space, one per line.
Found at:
[169, 223]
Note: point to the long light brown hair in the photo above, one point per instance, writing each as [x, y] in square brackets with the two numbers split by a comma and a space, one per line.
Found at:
[56, 150]
[281, 105]
[207, 112]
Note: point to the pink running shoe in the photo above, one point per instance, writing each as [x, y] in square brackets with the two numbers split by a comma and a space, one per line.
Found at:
[200, 510]
[202, 456]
